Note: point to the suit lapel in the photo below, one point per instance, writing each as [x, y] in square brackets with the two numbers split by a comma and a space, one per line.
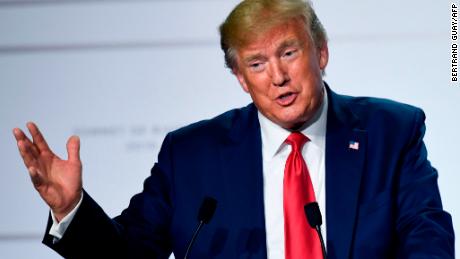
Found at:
[241, 164]
[344, 166]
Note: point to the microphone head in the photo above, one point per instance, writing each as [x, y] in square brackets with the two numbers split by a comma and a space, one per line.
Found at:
[207, 209]
[313, 214]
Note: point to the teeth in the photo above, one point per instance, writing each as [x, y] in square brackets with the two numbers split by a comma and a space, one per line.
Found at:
[284, 96]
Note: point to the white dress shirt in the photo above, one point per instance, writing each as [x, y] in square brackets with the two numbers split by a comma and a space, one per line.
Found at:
[275, 153]
[58, 228]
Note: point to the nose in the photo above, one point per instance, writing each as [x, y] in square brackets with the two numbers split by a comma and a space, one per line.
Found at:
[279, 75]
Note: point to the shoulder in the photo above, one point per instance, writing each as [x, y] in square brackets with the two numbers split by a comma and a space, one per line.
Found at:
[385, 121]
[217, 127]
[201, 140]
[372, 111]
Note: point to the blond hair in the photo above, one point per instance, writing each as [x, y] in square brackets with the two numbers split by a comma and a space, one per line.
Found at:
[252, 18]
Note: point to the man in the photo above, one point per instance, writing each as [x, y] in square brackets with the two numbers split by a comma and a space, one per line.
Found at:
[362, 159]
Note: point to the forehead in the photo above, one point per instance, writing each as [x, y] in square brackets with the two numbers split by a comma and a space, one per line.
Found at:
[283, 35]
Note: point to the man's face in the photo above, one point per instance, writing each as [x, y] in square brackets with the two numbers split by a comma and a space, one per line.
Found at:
[281, 70]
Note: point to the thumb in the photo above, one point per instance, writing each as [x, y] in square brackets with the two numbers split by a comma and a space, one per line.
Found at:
[73, 149]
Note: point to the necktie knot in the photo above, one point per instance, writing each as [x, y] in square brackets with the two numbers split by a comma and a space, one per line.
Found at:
[297, 140]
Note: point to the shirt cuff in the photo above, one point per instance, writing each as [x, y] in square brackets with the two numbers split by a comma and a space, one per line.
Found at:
[58, 229]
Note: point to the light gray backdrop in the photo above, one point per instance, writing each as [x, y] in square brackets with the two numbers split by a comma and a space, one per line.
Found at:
[122, 73]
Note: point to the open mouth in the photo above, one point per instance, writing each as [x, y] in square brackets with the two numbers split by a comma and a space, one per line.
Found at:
[286, 99]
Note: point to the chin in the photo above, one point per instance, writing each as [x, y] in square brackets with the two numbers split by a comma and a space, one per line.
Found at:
[291, 123]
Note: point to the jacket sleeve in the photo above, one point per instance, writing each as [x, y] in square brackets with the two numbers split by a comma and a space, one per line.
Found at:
[424, 229]
[141, 231]
[89, 235]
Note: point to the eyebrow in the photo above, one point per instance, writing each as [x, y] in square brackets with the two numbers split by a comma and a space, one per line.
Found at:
[283, 46]
[253, 57]
[286, 44]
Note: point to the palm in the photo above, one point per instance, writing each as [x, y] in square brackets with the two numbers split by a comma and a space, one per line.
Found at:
[64, 180]
[58, 181]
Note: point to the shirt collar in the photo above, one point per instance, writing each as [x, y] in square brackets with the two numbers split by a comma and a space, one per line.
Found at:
[273, 136]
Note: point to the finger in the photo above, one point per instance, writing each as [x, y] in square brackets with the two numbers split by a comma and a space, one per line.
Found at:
[32, 149]
[38, 138]
[26, 154]
[73, 149]
[20, 136]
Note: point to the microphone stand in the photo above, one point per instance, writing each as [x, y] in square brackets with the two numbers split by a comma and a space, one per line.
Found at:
[323, 247]
[313, 215]
[207, 209]
[192, 241]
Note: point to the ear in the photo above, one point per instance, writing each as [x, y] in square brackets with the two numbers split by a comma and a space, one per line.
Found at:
[241, 79]
[323, 55]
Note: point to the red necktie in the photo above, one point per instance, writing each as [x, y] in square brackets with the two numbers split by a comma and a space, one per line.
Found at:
[301, 240]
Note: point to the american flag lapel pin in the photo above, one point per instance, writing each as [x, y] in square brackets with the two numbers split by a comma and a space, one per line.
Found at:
[353, 145]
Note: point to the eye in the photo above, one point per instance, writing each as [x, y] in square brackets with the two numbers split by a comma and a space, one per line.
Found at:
[256, 66]
[290, 53]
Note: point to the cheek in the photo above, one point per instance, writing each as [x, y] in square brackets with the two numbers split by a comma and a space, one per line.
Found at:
[301, 75]
[309, 63]
[259, 86]
[306, 72]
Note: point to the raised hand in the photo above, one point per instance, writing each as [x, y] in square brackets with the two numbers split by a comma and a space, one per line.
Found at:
[59, 182]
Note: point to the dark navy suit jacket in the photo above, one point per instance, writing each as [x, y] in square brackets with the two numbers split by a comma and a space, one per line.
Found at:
[382, 200]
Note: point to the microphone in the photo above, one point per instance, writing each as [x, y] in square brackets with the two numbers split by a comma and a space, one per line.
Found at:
[207, 209]
[314, 219]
